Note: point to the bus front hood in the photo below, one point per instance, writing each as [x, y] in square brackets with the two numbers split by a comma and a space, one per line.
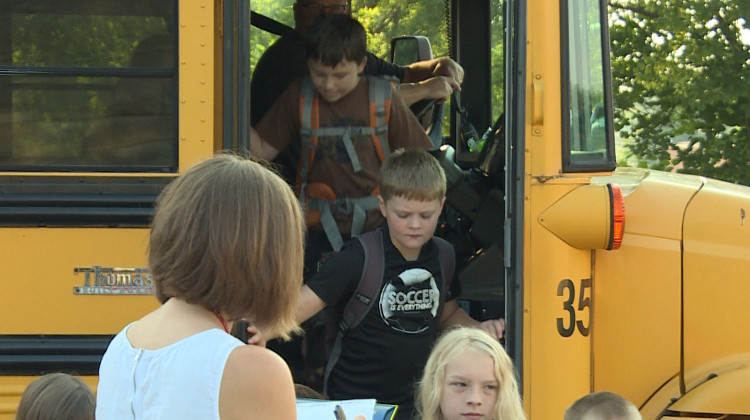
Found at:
[724, 390]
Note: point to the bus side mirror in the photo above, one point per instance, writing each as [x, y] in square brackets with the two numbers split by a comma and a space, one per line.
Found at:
[410, 49]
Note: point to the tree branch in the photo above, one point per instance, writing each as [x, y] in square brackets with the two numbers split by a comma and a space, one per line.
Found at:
[635, 9]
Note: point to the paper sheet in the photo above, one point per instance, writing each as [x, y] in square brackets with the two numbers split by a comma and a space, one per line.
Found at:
[335, 410]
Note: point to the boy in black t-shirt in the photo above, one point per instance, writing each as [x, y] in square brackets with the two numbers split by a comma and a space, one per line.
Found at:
[382, 356]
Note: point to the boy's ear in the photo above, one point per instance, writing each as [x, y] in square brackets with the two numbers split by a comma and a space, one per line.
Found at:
[381, 205]
[361, 66]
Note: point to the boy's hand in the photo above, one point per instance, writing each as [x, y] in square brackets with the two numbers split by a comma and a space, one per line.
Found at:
[254, 337]
[495, 327]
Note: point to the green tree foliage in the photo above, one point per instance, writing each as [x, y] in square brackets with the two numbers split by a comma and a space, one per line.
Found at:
[680, 71]
[280, 10]
[497, 57]
[387, 19]
[382, 19]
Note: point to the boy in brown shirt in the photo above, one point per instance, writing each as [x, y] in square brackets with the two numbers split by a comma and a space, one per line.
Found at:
[345, 125]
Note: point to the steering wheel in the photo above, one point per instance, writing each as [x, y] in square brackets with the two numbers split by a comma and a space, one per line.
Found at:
[420, 108]
[429, 113]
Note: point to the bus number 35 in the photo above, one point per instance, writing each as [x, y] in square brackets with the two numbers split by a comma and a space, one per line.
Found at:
[566, 325]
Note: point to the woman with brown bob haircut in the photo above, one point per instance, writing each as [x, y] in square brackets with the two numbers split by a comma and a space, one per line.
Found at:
[226, 244]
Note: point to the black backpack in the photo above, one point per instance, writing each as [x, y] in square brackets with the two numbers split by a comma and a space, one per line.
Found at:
[367, 290]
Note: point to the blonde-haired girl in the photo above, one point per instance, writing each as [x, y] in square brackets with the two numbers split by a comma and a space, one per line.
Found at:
[469, 373]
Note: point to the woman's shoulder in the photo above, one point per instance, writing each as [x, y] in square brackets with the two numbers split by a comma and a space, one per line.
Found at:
[258, 381]
[255, 360]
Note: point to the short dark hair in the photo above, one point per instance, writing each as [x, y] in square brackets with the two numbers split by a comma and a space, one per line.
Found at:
[334, 38]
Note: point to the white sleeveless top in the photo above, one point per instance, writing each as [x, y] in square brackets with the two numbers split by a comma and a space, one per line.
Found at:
[179, 381]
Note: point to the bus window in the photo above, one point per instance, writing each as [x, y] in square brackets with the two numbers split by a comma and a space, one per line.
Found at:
[497, 58]
[88, 86]
[588, 144]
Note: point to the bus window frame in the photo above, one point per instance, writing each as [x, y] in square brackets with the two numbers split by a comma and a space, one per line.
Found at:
[609, 162]
[87, 7]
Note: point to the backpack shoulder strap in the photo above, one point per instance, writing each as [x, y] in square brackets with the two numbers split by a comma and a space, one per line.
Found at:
[309, 120]
[307, 96]
[364, 296]
[380, 112]
[447, 257]
[370, 281]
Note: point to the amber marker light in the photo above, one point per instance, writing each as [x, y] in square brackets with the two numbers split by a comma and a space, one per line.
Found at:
[618, 216]
[588, 217]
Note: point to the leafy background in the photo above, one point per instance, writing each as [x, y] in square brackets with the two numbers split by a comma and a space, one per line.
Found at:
[682, 95]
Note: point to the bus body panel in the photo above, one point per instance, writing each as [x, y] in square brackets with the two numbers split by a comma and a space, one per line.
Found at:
[716, 281]
[720, 386]
[636, 325]
[654, 407]
[655, 201]
[40, 278]
[636, 322]
[200, 78]
[557, 315]
[681, 268]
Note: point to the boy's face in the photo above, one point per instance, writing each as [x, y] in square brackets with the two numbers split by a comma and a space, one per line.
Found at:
[333, 83]
[411, 223]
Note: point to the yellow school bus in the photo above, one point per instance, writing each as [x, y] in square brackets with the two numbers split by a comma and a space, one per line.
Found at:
[619, 279]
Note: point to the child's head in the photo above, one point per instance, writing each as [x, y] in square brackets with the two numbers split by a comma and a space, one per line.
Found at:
[413, 174]
[334, 38]
[412, 193]
[228, 235]
[57, 396]
[468, 371]
[602, 406]
[336, 55]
